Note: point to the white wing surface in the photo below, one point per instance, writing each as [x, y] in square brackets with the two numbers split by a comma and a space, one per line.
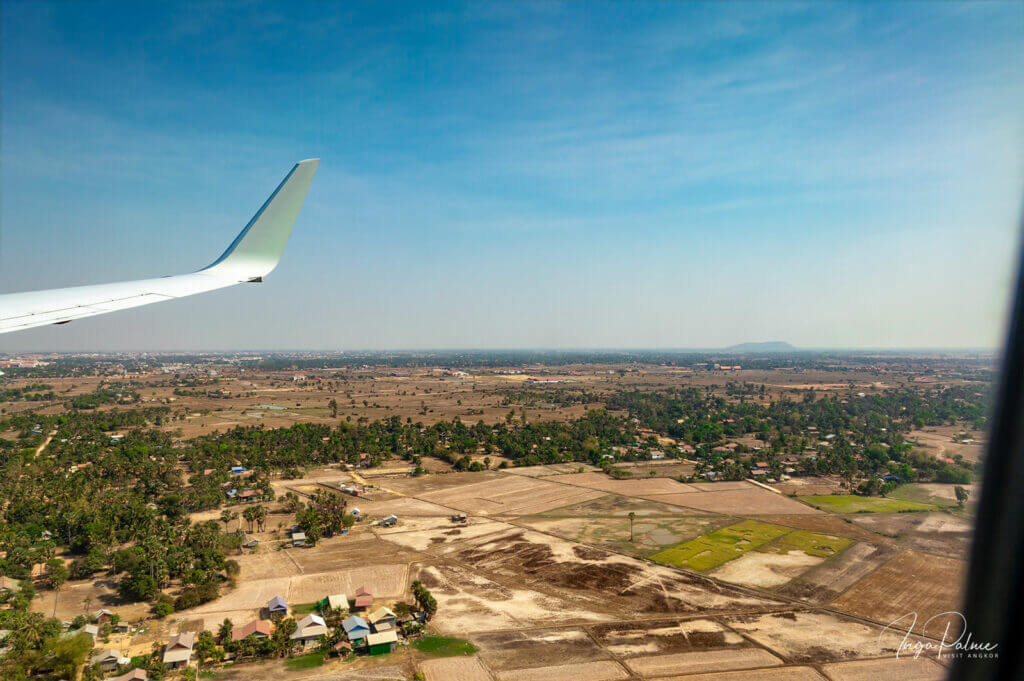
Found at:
[253, 254]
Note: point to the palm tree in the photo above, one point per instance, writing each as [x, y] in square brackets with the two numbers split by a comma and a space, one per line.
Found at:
[632, 515]
[226, 517]
[250, 516]
[261, 517]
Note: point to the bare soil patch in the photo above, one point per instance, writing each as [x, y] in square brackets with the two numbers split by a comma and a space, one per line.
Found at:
[938, 533]
[765, 570]
[510, 495]
[650, 533]
[826, 581]
[888, 669]
[551, 469]
[667, 636]
[596, 579]
[454, 669]
[517, 650]
[744, 502]
[619, 506]
[912, 582]
[703, 661]
[780, 674]
[641, 487]
[810, 637]
[441, 536]
[587, 671]
[938, 441]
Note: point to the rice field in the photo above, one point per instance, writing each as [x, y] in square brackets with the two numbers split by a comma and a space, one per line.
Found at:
[852, 503]
[720, 546]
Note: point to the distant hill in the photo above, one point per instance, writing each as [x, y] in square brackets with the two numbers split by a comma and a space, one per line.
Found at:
[767, 346]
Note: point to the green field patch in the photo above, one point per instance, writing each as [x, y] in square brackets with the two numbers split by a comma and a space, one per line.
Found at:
[444, 646]
[811, 543]
[305, 608]
[852, 503]
[922, 494]
[720, 546]
[305, 661]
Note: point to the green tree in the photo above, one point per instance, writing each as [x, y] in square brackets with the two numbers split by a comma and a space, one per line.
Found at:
[224, 632]
[962, 495]
[65, 655]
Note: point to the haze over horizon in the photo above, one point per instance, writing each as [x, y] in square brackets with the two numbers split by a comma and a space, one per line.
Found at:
[518, 175]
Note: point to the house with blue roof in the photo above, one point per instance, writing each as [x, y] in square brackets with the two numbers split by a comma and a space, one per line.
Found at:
[356, 628]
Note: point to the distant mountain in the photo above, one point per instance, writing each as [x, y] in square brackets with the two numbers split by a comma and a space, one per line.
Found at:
[767, 346]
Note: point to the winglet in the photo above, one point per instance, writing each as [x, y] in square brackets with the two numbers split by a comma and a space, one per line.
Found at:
[257, 249]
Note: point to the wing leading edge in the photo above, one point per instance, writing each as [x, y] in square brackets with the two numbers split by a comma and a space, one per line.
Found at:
[253, 254]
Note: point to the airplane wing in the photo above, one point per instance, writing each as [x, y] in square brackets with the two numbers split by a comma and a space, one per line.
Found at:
[253, 254]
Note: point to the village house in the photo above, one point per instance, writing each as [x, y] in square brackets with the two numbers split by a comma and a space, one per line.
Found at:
[108, 660]
[178, 651]
[356, 628]
[364, 599]
[382, 619]
[334, 602]
[256, 629]
[277, 604]
[309, 629]
[133, 675]
[384, 642]
[299, 539]
[103, 616]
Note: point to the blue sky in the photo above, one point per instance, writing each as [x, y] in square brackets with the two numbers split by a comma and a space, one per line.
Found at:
[522, 175]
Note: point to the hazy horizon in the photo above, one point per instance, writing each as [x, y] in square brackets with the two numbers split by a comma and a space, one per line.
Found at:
[521, 175]
[524, 349]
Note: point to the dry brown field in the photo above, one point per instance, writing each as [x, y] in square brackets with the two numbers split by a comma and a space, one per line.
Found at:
[937, 533]
[938, 441]
[737, 498]
[643, 487]
[454, 669]
[537, 648]
[811, 637]
[743, 502]
[510, 495]
[828, 580]
[703, 661]
[669, 468]
[906, 668]
[618, 506]
[650, 533]
[650, 637]
[585, 671]
[765, 570]
[552, 469]
[912, 582]
[780, 674]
